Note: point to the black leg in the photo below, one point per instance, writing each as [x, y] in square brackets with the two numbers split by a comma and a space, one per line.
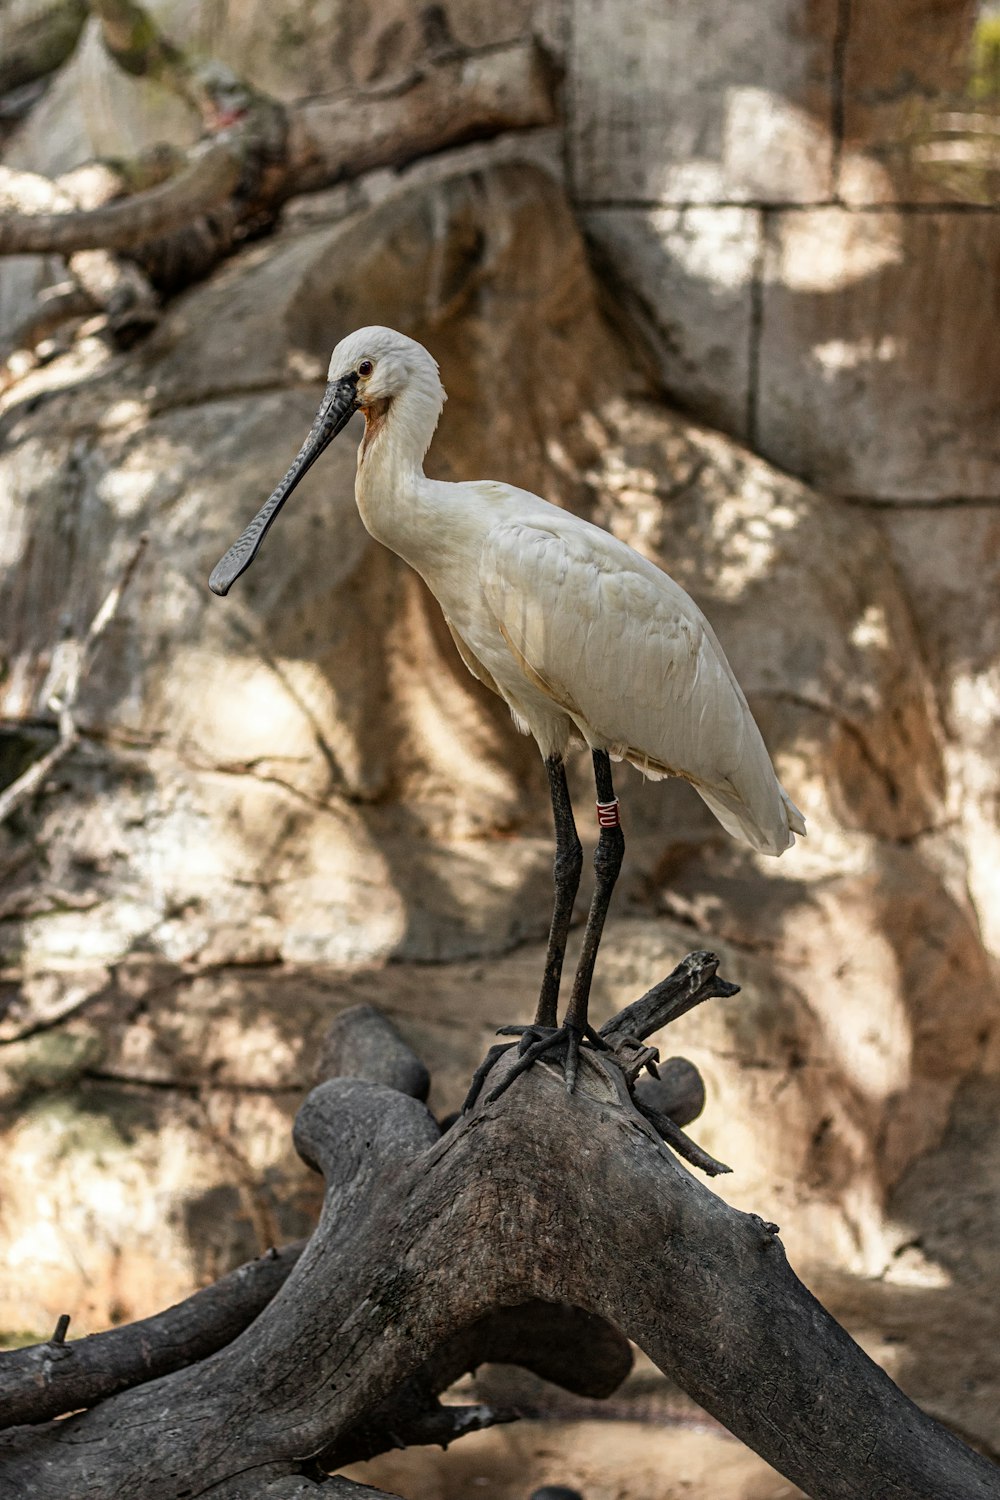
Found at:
[566, 870]
[607, 863]
[544, 1036]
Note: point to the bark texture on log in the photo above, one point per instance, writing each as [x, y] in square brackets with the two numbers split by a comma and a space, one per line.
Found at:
[569, 1200]
[46, 1380]
[210, 177]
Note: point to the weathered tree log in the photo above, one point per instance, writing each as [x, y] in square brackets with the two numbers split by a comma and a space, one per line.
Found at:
[573, 1349]
[238, 177]
[336, 1488]
[568, 1200]
[563, 1345]
[362, 1043]
[210, 177]
[46, 1380]
[453, 99]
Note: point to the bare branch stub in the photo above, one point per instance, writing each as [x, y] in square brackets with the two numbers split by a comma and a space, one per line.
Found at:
[398, 1428]
[693, 981]
[362, 1043]
[668, 1130]
[678, 1091]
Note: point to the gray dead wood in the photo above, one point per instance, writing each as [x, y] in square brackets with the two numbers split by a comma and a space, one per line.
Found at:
[362, 1043]
[538, 1196]
[562, 1344]
[48, 1379]
[692, 982]
[336, 1488]
[678, 1092]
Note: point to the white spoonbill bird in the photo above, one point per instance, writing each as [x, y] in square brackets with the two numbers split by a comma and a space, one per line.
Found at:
[582, 637]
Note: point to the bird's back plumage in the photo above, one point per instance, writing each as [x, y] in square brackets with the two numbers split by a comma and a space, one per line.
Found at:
[633, 662]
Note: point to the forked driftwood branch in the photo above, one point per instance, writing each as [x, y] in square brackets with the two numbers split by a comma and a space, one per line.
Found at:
[540, 1229]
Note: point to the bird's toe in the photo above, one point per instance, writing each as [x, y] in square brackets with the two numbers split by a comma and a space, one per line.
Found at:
[534, 1042]
[479, 1076]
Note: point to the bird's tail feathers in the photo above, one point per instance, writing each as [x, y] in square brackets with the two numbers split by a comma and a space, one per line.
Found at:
[772, 837]
[796, 820]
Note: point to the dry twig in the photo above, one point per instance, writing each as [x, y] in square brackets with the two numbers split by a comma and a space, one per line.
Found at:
[64, 703]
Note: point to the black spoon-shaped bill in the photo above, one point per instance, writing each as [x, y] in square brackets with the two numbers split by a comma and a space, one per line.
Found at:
[340, 402]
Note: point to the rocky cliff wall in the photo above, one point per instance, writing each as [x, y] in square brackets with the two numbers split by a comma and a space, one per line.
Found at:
[297, 798]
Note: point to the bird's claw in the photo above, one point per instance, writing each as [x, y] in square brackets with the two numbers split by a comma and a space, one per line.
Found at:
[536, 1030]
[479, 1076]
[526, 1034]
[535, 1042]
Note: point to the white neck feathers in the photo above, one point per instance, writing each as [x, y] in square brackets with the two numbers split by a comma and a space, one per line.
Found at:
[398, 430]
[390, 487]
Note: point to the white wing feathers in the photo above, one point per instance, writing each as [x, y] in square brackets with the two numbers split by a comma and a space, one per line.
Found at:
[630, 657]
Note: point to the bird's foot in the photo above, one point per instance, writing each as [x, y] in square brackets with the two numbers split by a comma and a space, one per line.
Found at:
[535, 1031]
[479, 1076]
[536, 1041]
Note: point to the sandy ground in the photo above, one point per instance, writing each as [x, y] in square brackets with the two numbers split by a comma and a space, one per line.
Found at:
[603, 1460]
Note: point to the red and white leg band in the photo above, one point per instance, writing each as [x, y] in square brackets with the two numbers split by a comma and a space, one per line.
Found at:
[607, 814]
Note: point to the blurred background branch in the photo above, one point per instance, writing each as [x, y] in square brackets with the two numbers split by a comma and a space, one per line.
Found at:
[63, 701]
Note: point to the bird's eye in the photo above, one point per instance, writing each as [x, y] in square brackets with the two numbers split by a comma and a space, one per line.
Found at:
[365, 368]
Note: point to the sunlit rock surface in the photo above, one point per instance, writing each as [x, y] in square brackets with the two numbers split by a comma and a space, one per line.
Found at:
[801, 216]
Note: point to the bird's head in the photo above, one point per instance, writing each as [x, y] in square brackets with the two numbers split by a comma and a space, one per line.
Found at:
[374, 370]
[383, 364]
